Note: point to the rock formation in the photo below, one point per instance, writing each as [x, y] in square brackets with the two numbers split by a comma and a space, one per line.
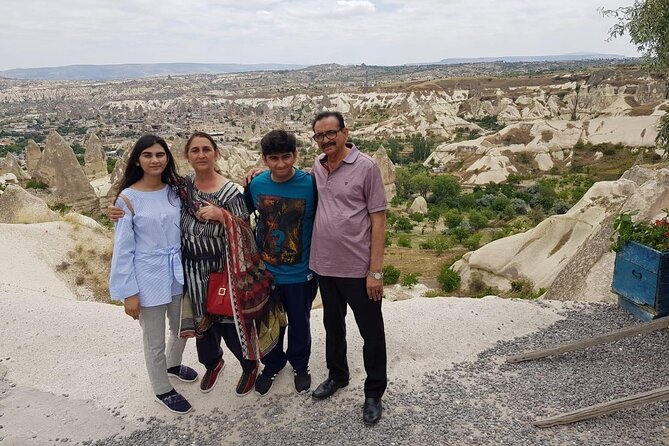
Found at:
[108, 192]
[419, 206]
[19, 206]
[8, 178]
[387, 169]
[95, 158]
[569, 254]
[490, 158]
[33, 154]
[10, 164]
[177, 147]
[59, 169]
[236, 161]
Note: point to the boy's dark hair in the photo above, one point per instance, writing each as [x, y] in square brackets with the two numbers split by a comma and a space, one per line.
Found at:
[278, 141]
[327, 114]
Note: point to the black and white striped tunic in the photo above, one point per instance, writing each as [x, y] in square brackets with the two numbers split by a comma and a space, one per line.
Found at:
[203, 244]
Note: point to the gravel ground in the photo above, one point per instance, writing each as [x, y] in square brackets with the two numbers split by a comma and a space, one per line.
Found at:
[474, 403]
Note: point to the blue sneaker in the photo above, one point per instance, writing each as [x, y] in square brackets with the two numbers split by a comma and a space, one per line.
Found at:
[183, 373]
[174, 402]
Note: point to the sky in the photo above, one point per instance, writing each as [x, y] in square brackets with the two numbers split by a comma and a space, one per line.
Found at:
[43, 33]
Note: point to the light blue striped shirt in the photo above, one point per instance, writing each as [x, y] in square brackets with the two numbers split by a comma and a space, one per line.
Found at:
[147, 249]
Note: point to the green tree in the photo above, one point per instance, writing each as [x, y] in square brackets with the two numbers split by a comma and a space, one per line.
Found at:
[647, 23]
[391, 275]
[403, 183]
[421, 147]
[421, 183]
[448, 279]
[453, 218]
[445, 190]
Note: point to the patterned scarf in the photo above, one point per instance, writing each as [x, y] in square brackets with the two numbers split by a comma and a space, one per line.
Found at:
[258, 315]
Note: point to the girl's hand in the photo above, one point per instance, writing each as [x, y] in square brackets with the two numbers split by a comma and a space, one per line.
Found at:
[131, 305]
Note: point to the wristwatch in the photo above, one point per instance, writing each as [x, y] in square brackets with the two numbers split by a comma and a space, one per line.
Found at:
[376, 274]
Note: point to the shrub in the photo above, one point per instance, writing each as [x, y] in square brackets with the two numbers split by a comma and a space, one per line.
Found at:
[426, 244]
[477, 219]
[35, 184]
[111, 163]
[453, 218]
[403, 224]
[523, 289]
[519, 206]
[409, 280]
[560, 207]
[60, 207]
[472, 242]
[390, 275]
[404, 241]
[416, 216]
[388, 239]
[448, 279]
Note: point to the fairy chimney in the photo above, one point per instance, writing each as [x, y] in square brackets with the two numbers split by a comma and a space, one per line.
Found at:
[59, 169]
[33, 154]
[95, 158]
[10, 164]
[387, 169]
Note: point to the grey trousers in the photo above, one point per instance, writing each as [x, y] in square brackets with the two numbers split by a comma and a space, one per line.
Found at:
[158, 360]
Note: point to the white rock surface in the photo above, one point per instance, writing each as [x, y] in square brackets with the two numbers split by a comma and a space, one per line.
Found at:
[569, 253]
[419, 206]
[19, 206]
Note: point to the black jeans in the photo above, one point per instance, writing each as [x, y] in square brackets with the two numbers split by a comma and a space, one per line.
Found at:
[336, 293]
[296, 299]
[209, 350]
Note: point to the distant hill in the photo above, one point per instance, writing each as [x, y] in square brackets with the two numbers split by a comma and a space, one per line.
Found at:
[136, 71]
[547, 58]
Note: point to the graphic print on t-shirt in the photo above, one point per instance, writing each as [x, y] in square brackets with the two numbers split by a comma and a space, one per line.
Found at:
[281, 229]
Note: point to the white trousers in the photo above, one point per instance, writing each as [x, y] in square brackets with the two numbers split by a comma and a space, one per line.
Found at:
[158, 360]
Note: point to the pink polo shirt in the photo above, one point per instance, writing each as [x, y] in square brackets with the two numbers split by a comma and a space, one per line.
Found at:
[341, 240]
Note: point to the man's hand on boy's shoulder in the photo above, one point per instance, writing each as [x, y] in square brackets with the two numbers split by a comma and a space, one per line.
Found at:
[251, 174]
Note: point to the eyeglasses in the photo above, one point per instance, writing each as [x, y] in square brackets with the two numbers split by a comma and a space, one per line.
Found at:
[330, 134]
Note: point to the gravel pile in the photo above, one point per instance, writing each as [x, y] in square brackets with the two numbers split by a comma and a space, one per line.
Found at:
[475, 403]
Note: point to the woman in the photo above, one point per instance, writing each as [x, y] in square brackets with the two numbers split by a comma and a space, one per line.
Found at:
[146, 271]
[203, 240]
[209, 200]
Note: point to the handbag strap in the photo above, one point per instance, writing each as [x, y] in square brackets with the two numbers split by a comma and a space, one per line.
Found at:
[127, 203]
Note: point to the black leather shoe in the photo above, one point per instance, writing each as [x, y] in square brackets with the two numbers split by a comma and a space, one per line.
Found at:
[371, 411]
[327, 388]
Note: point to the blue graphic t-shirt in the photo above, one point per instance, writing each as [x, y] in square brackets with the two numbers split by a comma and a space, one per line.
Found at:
[286, 217]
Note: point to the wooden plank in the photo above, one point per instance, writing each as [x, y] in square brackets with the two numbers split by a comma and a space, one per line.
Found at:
[661, 394]
[645, 327]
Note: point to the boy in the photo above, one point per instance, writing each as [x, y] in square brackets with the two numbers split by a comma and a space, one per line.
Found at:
[285, 198]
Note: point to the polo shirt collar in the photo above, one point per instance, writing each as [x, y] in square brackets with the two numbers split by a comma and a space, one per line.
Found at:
[350, 158]
[353, 154]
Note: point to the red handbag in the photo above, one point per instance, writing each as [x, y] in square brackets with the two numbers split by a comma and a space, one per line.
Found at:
[218, 294]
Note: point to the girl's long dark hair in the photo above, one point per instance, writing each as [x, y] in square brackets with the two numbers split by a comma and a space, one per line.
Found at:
[133, 172]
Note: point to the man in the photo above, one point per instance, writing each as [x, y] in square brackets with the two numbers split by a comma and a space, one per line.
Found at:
[347, 254]
[285, 199]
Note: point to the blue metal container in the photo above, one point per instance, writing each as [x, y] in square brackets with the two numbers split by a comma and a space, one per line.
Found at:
[641, 281]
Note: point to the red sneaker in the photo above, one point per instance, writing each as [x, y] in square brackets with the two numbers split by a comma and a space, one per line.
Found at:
[210, 377]
[247, 382]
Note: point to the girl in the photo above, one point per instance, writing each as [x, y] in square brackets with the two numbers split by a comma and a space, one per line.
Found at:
[146, 271]
[210, 205]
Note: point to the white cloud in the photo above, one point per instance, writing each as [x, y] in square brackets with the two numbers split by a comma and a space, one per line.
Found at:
[47, 32]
